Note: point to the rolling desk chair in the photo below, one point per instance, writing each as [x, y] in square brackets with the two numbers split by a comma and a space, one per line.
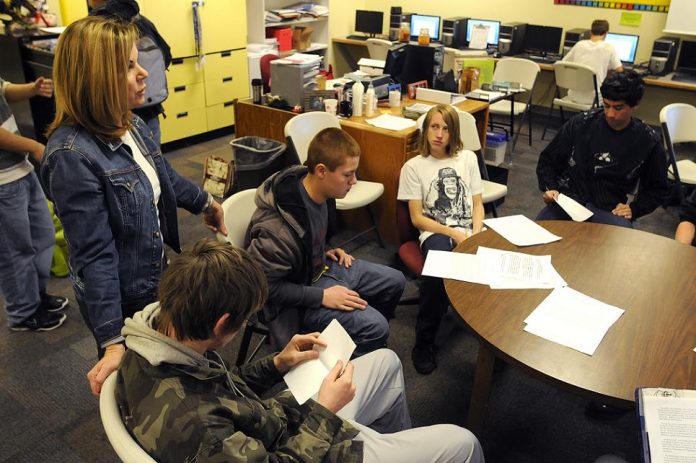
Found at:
[678, 121]
[378, 48]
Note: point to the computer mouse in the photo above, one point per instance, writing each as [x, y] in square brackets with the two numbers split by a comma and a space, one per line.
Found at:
[496, 54]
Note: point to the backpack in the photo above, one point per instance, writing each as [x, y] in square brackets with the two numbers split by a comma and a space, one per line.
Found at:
[151, 58]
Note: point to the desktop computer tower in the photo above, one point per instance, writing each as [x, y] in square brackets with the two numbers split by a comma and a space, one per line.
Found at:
[511, 40]
[454, 32]
[663, 56]
[396, 17]
[422, 62]
[572, 37]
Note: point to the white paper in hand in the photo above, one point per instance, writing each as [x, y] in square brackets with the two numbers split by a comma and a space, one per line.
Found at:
[305, 379]
[574, 209]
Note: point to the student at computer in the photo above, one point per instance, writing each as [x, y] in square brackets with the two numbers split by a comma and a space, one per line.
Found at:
[601, 156]
[444, 192]
[686, 230]
[596, 53]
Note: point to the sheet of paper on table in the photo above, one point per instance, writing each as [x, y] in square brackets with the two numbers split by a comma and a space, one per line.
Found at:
[305, 379]
[389, 122]
[493, 267]
[572, 319]
[521, 231]
[574, 209]
[517, 270]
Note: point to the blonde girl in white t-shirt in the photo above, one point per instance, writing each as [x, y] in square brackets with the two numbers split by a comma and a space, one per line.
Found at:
[444, 192]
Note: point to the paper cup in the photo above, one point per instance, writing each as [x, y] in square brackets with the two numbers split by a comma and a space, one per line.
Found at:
[330, 105]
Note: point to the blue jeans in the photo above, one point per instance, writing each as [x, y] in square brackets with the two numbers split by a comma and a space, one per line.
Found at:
[553, 211]
[433, 300]
[27, 237]
[379, 285]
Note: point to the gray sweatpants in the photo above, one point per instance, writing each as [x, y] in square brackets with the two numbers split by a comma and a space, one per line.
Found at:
[379, 410]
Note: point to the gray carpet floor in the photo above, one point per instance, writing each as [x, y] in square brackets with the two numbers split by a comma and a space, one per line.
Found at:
[48, 414]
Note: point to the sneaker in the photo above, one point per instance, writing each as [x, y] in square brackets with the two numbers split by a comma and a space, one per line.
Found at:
[41, 321]
[53, 303]
[423, 357]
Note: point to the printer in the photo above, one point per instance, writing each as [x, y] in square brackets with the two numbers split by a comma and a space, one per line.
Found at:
[379, 83]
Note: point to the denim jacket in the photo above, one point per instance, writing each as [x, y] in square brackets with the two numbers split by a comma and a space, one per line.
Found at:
[106, 205]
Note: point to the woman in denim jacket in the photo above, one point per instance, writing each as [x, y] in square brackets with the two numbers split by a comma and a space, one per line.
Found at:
[115, 193]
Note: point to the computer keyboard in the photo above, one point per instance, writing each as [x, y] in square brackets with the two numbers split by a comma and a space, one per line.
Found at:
[541, 59]
[357, 37]
[684, 77]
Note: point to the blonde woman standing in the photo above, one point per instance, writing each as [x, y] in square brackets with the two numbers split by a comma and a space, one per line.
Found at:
[115, 193]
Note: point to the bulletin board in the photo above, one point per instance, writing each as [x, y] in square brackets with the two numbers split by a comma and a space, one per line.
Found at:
[660, 6]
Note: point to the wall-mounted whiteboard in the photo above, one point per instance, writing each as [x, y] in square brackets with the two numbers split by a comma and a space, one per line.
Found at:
[681, 18]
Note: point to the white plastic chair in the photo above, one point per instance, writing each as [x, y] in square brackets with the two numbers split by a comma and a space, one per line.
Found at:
[525, 72]
[378, 48]
[573, 76]
[238, 209]
[678, 121]
[492, 191]
[300, 130]
[127, 449]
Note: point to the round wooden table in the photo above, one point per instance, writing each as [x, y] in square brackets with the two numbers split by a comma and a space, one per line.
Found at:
[651, 277]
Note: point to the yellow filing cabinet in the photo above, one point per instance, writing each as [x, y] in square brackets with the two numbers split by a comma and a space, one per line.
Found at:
[174, 21]
[224, 25]
[220, 115]
[226, 77]
[185, 110]
[201, 93]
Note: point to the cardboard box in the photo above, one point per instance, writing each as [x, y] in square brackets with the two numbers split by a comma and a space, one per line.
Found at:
[217, 176]
[283, 35]
[302, 38]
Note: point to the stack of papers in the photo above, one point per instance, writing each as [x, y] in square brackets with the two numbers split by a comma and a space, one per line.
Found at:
[299, 58]
[389, 122]
[521, 231]
[572, 319]
[485, 95]
[415, 110]
[304, 381]
[496, 268]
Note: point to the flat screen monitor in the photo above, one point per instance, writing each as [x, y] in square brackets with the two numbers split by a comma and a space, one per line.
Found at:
[420, 21]
[493, 29]
[625, 45]
[369, 22]
[687, 57]
[544, 39]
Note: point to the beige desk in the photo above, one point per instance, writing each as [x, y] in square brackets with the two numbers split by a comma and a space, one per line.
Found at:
[383, 151]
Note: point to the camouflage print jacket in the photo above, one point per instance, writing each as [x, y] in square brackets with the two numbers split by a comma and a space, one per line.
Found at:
[182, 406]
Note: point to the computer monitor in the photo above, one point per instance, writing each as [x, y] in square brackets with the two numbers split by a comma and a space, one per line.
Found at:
[493, 29]
[542, 39]
[420, 21]
[369, 22]
[625, 45]
[687, 58]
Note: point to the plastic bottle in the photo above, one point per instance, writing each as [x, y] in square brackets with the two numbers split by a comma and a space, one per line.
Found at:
[358, 92]
[370, 101]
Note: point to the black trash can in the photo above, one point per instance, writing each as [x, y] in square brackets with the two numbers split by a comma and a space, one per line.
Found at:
[255, 159]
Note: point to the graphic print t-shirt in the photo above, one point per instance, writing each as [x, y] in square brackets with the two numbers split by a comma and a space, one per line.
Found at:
[446, 187]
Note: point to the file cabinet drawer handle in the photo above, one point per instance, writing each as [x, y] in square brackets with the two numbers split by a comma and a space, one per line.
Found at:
[176, 61]
[180, 115]
[180, 88]
[228, 104]
[226, 54]
[227, 79]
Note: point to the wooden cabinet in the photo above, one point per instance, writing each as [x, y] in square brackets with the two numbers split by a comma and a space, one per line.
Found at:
[202, 90]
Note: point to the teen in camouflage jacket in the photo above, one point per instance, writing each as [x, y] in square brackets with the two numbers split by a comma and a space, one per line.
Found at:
[192, 408]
